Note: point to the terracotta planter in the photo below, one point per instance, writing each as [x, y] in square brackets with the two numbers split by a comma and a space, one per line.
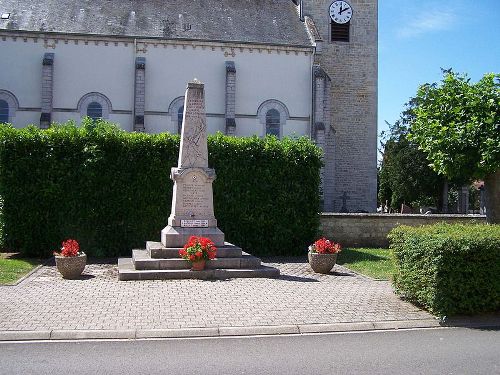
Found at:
[198, 266]
[322, 263]
[71, 267]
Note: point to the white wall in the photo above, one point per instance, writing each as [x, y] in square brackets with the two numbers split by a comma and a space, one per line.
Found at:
[109, 70]
[21, 71]
[80, 69]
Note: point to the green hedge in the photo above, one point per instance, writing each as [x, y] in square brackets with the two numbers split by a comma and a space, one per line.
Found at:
[448, 269]
[111, 189]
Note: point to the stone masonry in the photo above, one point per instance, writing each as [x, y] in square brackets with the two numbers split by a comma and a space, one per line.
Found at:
[140, 93]
[352, 67]
[371, 230]
[230, 98]
[47, 89]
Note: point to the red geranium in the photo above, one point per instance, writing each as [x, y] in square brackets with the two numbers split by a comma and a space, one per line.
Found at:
[198, 248]
[70, 248]
[324, 246]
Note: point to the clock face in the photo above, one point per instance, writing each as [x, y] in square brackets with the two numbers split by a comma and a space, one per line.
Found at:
[340, 12]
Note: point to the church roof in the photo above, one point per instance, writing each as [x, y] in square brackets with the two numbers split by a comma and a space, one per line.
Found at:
[248, 21]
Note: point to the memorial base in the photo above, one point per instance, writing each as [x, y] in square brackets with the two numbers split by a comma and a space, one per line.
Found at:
[178, 236]
[158, 262]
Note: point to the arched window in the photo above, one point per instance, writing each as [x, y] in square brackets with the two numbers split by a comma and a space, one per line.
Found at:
[94, 110]
[95, 105]
[8, 106]
[176, 113]
[273, 122]
[4, 111]
[180, 117]
[273, 114]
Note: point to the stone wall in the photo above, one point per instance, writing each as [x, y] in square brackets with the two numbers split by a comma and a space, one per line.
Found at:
[371, 230]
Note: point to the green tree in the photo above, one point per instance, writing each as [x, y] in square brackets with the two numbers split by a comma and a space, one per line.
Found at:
[405, 175]
[457, 125]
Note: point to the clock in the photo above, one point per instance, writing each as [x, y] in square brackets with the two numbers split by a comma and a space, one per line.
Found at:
[340, 12]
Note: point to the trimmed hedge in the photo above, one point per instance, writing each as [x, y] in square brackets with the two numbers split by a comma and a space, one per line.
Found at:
[111, 190]
[448, 268]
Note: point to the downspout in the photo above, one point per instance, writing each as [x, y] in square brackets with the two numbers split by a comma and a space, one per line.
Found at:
[313, 97]
[135, 98]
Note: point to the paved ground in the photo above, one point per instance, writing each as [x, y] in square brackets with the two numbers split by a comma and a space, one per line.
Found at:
[299, 298]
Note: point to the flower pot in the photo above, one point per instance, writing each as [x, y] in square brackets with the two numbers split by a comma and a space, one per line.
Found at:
[322, 263]
[198, 266]
[71, 267]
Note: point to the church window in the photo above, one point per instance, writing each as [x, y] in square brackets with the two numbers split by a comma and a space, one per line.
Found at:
[340, 31]
[4, 111]
[94, 110]
[94, 105]
[273, 115]
[180, 117]
[273, 122]
[176, 113]
[8, 106]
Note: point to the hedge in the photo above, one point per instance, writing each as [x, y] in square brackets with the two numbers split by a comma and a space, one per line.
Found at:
[111, 189]
[448, 268]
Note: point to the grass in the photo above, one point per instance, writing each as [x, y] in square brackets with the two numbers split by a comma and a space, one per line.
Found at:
[376, 263]
[12, 269]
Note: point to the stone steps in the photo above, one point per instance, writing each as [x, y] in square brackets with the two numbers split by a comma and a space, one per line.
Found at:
[127, 271]
[143, 261]
[158, 262]
[157, 251]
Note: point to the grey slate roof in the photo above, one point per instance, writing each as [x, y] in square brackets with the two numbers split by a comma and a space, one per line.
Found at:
[259, 21]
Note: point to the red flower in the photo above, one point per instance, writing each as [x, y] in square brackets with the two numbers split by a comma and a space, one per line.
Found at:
[198, 248]
[325, 246]
[70, 248]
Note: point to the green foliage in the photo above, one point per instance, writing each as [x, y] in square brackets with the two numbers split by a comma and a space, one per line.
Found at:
[448, 269]
[457, 125]
[405, 175]
[111, 189]
[266, 192]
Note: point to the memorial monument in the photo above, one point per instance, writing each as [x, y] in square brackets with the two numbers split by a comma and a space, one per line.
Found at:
[192, 213]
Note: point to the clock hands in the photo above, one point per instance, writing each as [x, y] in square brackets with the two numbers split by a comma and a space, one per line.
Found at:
[342, 10]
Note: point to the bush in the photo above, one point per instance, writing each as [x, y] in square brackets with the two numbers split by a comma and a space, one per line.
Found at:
[111, 189]
[448, 269]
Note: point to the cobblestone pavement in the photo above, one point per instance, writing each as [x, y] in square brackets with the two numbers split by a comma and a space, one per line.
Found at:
[99, 301]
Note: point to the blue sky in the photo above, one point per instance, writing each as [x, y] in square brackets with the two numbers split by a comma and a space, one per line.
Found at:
[418, 37]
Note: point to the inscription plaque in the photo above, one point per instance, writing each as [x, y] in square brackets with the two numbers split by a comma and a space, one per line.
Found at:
[194, 223]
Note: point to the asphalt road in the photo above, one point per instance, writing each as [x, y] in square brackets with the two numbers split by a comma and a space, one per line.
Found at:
[431, 351]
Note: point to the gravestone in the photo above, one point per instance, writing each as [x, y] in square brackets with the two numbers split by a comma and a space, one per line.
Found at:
[344, 198]
[405, 209]
[192, 214]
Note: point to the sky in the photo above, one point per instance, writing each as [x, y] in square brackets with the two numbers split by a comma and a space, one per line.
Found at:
[419, 37]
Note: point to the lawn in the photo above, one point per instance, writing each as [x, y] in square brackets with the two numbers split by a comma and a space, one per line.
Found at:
[376, 263]
[12, 269]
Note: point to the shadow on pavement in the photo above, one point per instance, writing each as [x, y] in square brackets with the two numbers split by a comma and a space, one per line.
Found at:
[298, 278]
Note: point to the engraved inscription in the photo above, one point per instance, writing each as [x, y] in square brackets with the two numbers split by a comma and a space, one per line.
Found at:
[194, 196]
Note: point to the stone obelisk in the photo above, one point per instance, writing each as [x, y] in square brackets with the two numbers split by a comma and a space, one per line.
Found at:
[192, 210]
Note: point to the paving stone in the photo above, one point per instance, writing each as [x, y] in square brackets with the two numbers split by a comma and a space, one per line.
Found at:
[99, 301]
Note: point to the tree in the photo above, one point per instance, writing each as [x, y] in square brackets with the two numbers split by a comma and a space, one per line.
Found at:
[405, 175]
[457, 125]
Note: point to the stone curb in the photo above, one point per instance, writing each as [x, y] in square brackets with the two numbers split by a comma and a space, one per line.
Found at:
[55, 335]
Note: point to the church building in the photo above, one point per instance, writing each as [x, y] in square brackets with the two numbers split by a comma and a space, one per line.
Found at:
[280, 67]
